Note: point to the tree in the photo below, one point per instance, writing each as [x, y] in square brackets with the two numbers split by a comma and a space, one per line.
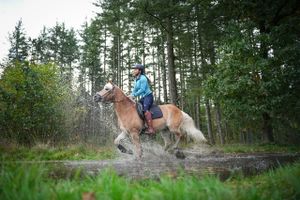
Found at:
[91, 50]
[63, 49]
[165, 17]
[40, 49]
[19, 46]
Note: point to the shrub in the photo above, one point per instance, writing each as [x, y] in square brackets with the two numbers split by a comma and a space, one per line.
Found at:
[30, 102]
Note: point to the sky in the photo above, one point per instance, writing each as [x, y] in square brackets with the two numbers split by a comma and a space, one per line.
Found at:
[36, 14]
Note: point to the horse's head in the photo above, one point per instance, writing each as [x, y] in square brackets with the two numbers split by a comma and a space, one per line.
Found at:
[106, 94]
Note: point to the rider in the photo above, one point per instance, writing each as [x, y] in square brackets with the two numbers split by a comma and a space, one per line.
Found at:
[142, 89]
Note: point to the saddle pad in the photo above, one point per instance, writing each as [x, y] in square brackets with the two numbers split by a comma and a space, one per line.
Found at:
[155, 111]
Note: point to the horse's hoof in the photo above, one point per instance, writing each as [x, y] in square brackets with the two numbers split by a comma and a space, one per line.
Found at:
[124, 150]
[179, 154]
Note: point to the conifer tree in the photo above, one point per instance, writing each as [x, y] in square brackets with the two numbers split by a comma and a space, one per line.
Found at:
[19, 46]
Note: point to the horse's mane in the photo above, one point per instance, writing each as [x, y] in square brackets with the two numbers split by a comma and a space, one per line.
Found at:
[123, 94]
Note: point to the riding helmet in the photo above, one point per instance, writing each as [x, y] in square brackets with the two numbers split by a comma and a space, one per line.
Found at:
[138, 66]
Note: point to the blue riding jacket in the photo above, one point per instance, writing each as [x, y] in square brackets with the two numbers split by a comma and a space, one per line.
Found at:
[141, 87]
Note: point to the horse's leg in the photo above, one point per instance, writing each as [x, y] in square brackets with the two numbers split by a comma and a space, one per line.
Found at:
[120, 137]
[178, 137]
[117, 142]
[166, 137]
[136, 141]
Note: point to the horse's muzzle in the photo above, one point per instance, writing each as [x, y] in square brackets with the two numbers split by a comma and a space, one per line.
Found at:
[97, 98]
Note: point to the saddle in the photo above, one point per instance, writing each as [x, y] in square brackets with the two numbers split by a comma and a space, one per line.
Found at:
[155, 111]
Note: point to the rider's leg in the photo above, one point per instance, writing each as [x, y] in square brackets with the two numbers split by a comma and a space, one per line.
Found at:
[148, 117]
[147, 103]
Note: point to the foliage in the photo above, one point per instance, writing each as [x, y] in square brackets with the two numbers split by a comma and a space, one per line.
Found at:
[32, 182]
[236, 82]
[30, 102]
[248, 84]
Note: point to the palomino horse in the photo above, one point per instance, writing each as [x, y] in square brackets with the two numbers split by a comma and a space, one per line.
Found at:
[175, 120]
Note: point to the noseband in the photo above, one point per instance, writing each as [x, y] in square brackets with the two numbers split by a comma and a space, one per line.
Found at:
[108, 92]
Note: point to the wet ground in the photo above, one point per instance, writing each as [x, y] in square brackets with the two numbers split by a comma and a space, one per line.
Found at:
[196, 161]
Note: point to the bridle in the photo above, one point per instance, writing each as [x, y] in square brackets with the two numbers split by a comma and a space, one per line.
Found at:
[113, 100]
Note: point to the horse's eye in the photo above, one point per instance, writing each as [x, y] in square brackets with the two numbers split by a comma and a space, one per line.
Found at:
[106, 89]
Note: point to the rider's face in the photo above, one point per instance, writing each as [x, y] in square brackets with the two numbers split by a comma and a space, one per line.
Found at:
[135, 72]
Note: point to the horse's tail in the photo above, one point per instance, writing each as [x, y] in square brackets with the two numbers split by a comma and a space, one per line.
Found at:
[189, 127]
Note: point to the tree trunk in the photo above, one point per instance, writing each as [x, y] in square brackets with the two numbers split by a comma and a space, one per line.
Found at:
[159, 75]
[267, 128]
[267, 124]
[119, 61]
[104, 51]
[171, 62]
[181, 78]
[197, 112]
[249, 136]
[164, 71]
[208, 121]
[155, 80]
[129, 70]
[219, 124]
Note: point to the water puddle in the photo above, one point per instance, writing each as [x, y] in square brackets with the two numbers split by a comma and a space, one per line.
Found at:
[157, 162]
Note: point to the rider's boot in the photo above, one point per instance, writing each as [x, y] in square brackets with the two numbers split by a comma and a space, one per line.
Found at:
[150, 129]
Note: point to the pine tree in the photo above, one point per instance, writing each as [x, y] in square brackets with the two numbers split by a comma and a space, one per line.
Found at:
[18, 51]
[40, 50]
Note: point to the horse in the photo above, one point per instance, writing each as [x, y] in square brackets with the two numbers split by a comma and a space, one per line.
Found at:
[174, 120]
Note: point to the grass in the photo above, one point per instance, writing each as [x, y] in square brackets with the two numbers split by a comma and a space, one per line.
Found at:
[24, 182]
[44, 152]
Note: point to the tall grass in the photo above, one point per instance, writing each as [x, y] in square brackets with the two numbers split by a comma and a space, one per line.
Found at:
[23, 182]
[34, 182]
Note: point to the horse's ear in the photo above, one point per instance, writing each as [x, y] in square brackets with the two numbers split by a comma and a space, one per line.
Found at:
[110, 81]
